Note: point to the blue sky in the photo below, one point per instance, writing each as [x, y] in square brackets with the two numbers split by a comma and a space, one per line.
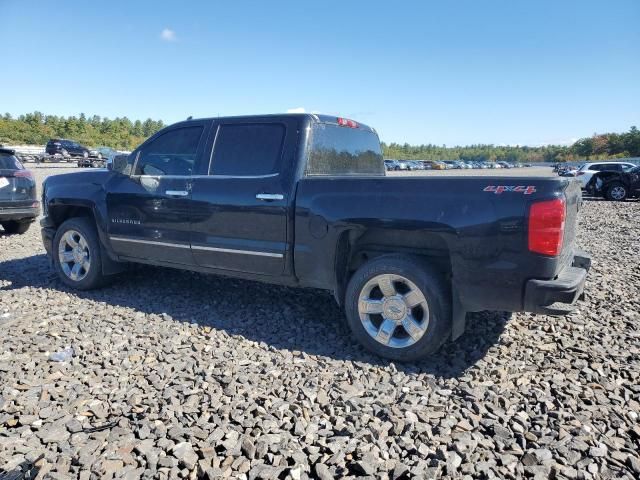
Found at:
[442, 72]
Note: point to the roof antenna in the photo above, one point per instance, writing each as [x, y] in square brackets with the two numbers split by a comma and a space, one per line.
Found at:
[190, 117]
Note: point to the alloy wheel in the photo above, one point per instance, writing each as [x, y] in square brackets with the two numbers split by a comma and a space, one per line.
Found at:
[618, 192]
[74, 255]
[393, 310]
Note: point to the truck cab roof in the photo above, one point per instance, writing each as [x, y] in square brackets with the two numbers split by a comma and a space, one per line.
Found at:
[312, 117]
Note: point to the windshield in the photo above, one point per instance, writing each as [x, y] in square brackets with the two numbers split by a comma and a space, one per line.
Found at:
[337, 150]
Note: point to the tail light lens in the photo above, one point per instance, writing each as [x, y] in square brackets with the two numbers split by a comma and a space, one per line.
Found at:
[579, 173]
[23, 174]
[546, 227]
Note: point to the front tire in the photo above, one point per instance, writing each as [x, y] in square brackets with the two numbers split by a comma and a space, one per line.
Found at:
[617, 192]
[398, 308]
[16, 227]
[77, 256]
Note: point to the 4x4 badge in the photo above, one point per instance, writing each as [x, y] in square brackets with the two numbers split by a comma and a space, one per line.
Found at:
[510, 188]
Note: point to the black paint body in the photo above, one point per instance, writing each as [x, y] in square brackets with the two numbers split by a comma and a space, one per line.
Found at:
[322, 225]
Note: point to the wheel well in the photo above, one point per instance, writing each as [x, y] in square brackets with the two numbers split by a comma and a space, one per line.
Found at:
[356, 248]
[64, 212]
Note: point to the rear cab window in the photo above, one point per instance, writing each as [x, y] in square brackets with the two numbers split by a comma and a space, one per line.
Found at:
[343, 150]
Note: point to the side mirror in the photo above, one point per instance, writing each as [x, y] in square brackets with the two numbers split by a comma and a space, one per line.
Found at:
[119, 164]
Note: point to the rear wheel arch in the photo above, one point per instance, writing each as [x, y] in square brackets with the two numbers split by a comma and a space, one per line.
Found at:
[355, 247]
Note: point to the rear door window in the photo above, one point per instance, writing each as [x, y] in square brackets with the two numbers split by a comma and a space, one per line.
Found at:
[252, 149]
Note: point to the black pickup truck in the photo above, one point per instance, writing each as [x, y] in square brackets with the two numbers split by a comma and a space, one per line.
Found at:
[303, 200]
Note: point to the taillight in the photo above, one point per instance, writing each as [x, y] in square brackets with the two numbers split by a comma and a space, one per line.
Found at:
[23, 174]
[345, 122]
[579, 173]
[546, 227]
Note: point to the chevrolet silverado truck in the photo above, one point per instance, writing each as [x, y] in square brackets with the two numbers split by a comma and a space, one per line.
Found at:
[302, 200]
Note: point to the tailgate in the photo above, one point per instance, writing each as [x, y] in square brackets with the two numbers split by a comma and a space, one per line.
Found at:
[15, 189]
[573, 199]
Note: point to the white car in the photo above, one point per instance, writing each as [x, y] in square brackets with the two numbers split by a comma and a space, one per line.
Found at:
[586, 171]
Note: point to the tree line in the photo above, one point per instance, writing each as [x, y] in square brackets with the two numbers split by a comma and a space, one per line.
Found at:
[36, 129]
[121, 133]
[597, 147]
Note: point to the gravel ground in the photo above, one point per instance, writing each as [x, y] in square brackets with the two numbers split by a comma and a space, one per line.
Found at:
[180, 375]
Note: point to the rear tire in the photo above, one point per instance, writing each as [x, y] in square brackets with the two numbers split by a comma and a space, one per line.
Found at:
[617, 192]
[405, 319]
[15, 227]
[77, 254]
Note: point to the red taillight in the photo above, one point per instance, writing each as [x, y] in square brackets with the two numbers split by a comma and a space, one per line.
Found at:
[23, 174]
[345, 122]
[546, 227]
[579, 173]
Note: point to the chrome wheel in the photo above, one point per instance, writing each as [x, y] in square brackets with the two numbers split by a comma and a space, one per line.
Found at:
[618, 192]
[393, 310]
[74, 255]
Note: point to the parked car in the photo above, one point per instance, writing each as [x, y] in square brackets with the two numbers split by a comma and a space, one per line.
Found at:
[102, 153]
[587, 170]
[614, 185]
[19, 204]
[416, 165]
[98, 157]
[66, 148]
[302, 200]
[391, 165]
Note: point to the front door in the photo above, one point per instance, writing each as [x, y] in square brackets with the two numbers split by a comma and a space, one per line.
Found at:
[149, 210]
[241, 202]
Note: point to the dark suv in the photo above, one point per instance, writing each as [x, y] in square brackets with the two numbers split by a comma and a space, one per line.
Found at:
[19, 204]
[66, 148]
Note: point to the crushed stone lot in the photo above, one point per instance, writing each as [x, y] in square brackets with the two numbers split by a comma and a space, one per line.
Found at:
[180, 375]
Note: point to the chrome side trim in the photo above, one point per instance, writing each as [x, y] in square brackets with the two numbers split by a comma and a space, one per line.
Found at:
[269, 175]
[197, 247]
[243, 252]
[149, 242]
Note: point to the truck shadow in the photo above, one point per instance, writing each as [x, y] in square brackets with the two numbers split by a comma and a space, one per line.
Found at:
[284, 318]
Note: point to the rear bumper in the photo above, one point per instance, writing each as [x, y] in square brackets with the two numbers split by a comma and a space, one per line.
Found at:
[557, 297]
[19, 213]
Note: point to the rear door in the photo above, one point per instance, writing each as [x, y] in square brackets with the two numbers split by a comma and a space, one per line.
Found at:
[149, 211]
[241, 200]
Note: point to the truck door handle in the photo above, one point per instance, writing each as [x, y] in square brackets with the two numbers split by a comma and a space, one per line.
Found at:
[177, 193]
[270, 196]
